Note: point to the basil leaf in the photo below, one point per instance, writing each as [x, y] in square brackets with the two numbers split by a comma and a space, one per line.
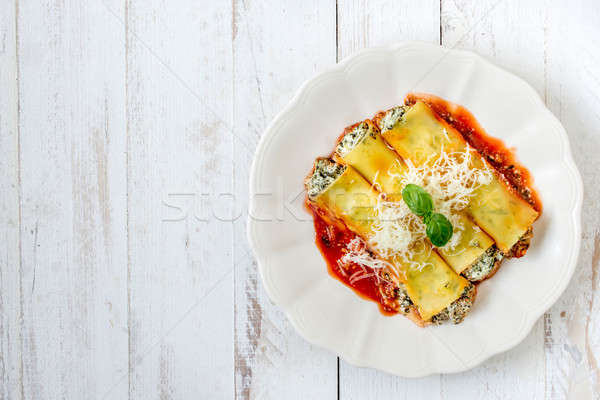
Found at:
[417, 199]
[426, 219]
[439, 230]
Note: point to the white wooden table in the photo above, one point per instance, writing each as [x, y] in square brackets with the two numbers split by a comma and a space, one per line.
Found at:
[127, 128]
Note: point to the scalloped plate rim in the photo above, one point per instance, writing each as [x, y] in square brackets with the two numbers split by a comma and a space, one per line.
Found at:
[530, 317]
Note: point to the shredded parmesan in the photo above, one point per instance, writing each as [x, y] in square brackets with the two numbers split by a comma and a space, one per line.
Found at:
[446, 134]
[396, 229]
[451, 180]
[357, 253]
[375, 185]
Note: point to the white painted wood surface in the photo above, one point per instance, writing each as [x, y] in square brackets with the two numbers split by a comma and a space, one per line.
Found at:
[275, 48]
[127, 129]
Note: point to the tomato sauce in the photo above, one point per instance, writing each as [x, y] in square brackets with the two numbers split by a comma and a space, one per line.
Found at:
[332, 241]
[493, 149]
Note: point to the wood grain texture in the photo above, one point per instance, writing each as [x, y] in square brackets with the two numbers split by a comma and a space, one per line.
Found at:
[179, 100]
[11, 372]
[127, 129]
[73, 313]
[571, 87]
[559, 358]
[365, 24]
[277, 46]
[495, 30]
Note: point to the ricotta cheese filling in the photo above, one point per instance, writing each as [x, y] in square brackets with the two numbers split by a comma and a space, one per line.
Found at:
[352, 138]
[484, 265]
[325, 173]
[456, 311]
[392, 117]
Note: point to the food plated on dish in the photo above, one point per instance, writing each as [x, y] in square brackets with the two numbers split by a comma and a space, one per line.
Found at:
[281, 231]
[418, 205]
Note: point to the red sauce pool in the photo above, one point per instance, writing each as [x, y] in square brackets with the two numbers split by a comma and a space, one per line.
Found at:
[493, 149]
[331, 241]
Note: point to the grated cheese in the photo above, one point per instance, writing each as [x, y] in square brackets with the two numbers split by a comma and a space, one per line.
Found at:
[358, 254]
[450, 180]
[396, 229]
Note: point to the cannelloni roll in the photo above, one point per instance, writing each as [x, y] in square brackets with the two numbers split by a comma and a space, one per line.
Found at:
[435, 289]
[417, 134]
[362, 147]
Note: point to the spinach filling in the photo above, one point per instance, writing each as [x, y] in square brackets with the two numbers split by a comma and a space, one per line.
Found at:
[325, 173]
[392, 117]
[484, 265]
[456, 311]
[352, 138]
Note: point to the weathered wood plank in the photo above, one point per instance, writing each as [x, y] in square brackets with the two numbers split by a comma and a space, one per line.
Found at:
[572, 83]
[179, 90]
[73, 211]
[511, 34]
[277, 46]
[196, 86]
[10, 290]
[366, 24]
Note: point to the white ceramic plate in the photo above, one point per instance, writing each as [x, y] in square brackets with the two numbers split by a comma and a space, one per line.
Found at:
[281, 232]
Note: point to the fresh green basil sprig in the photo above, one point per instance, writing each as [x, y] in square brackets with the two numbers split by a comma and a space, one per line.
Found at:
[439, 229]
